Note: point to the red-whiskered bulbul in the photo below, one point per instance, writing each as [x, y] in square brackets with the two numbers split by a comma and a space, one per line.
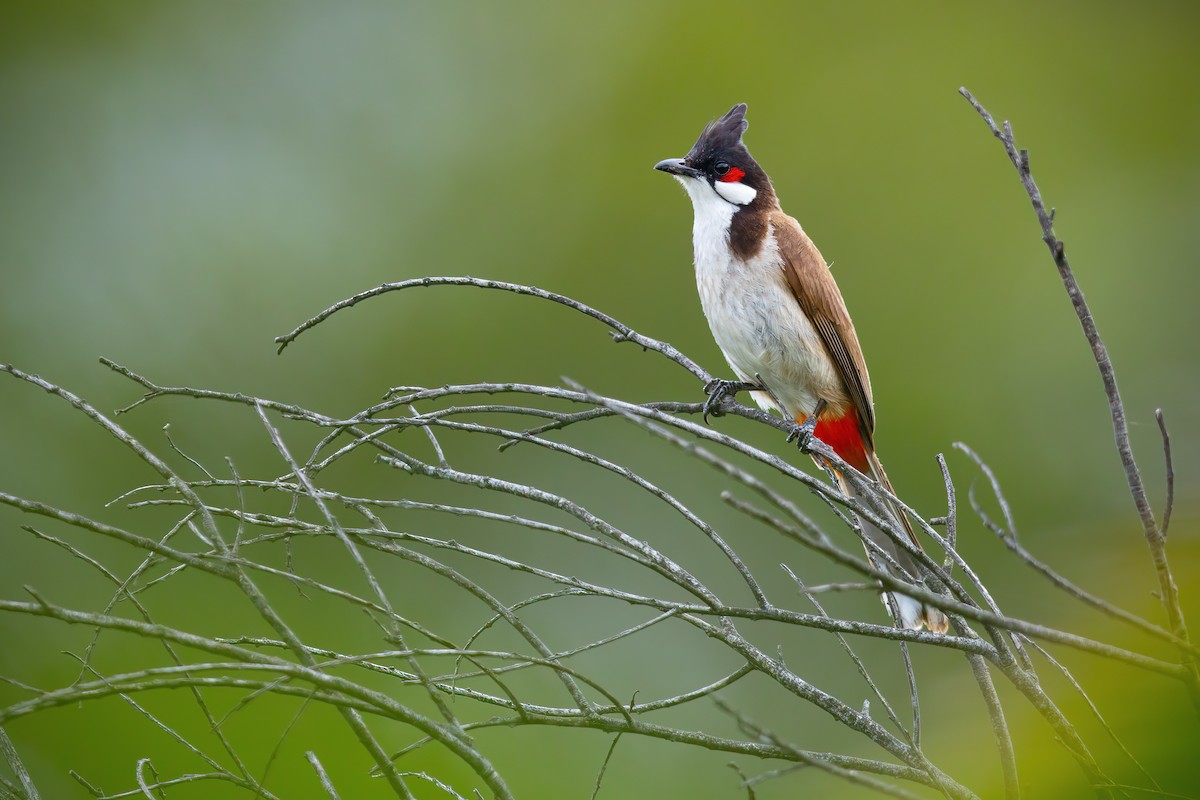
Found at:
[779, 318]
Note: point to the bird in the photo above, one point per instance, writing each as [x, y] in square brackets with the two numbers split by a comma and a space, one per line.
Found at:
[778, 317]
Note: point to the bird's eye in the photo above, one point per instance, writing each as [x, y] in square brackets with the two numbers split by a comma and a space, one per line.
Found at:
[720, 168]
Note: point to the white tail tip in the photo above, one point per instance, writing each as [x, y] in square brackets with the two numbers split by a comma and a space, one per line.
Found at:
[916, 615]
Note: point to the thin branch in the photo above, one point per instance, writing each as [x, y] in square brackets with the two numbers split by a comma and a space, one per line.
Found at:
[1000, 730]
[1011, 542]
[757, 749]
[612, 748]
[122, 591]
[1091, 705]
[322, 776]
[632, 477]
[1155, 539]
[850, 776]
[309, 673]
[623, 332]
[359, 562]
[1170, 470]
[951, 514]
[13, 758]
[971, 612]
[858, 664]
[159, 784]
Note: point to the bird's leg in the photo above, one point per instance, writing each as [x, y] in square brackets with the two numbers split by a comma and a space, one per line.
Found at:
[803, 431]
[717, 390]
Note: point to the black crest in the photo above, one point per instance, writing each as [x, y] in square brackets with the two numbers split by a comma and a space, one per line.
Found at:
[722, 136]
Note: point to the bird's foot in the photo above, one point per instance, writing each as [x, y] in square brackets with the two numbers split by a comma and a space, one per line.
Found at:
[717, 390]
[802, 432]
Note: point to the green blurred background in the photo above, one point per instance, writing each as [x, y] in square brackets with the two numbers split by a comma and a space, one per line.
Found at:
[182, 182]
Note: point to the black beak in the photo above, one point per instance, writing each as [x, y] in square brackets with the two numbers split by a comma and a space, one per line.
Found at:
[677, 166]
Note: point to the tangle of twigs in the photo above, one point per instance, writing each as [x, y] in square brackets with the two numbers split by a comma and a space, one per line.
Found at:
[268, 538]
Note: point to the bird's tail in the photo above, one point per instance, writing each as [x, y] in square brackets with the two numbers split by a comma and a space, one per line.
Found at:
[913, 613]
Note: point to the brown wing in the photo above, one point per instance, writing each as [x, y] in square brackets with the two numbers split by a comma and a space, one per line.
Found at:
[817, 293]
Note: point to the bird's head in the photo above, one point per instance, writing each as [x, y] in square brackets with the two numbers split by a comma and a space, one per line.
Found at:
[719, 168]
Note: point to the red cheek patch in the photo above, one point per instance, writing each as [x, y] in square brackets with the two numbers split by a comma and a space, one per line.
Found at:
[733, 176]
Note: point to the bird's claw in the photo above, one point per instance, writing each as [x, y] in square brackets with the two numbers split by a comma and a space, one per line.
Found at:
[802, 432]
[717, 390]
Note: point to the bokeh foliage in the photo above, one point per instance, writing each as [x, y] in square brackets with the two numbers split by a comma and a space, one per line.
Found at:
[182, 182]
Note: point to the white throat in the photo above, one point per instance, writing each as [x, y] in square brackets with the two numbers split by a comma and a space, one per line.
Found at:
[712, 216]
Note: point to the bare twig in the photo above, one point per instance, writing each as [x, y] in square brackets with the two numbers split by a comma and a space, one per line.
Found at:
[612, 748]
[951, 514]
[1170, 471]
[322, 776]
[9, 751]
[1091, 705]
[761, 733]
[1011, 542]
[623, 332]
[1155, 538]
[858, 664]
